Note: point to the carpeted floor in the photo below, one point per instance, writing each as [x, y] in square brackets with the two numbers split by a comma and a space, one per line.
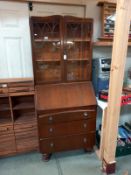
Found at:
[67, 163]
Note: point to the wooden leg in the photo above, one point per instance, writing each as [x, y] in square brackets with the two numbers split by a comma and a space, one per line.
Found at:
[108, 168]
[46, 157]
[88, 150]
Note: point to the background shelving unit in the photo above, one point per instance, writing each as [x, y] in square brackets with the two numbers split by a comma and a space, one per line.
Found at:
[18, 124]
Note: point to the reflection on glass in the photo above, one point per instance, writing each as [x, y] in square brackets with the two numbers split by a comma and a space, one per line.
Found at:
[48, 71]
[77, 70]
[47, 51]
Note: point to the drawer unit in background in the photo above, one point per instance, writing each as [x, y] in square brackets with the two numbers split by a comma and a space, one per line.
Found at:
[18, 122]
[26, 138]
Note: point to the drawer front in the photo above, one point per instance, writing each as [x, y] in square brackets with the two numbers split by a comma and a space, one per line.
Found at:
[26, 139]
[66, 116]
[5, 130]
[20, 89]
[67, 143]
[7, 141]
[25, 124]
[67, 128]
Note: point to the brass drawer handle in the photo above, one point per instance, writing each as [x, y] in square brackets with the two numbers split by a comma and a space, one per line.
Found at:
[50, 118]
[5, 129]
[85, 140]
[51, 145]
[85, 125]
[51, 130]
[85, 114]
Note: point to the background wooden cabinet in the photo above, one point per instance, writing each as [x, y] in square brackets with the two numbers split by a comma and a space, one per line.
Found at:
[18, 124]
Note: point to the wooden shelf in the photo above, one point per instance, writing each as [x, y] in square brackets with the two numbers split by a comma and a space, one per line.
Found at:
[24, 106]
[107, 43]
[25, 118]
[77, 40]
[49, 60]
[46, 40]
[77, 59]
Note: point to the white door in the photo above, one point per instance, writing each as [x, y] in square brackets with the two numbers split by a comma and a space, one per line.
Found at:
[15, 44]
[41, 9]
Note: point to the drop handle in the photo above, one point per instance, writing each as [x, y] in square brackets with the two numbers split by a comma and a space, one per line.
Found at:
[50, 118]
[51, 130]
[85, 125]
[85, 114]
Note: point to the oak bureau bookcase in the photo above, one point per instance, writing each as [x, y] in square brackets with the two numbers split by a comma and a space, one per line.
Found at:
[65, 100]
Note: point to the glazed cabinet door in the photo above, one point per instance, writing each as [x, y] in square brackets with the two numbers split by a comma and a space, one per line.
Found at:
[47, 48]
[77, 48]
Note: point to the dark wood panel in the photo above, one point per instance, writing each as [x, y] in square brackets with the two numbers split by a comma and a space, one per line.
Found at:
[68, 128]
[63, 96]
[51, 145]
[66, 116]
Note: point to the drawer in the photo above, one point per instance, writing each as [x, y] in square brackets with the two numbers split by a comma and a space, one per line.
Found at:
[67, 128]
[66, 116]
[7, 141]
[19, 126]
[5, 130]
[26, 139]
[21, 89]
[51, 145]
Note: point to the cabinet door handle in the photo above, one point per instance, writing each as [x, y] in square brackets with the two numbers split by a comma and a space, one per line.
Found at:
[50, 118]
